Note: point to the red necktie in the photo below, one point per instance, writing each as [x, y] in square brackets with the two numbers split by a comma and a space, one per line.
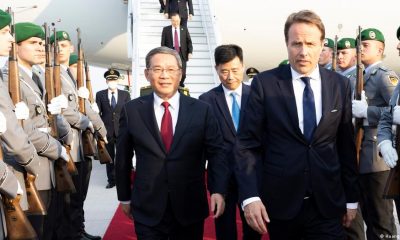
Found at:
[166, 127]
[176, 41]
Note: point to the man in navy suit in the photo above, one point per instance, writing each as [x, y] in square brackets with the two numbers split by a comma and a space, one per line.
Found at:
[110, 102]
[180, 7]
[228, 100]
[172, 136]
[298, 123]
[177, 37]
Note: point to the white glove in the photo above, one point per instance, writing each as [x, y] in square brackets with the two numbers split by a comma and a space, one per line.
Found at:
[83, 92]
[360, 107]
[21, 111]
[90, 126]
[95, 107]
[396, 115]
[64, 154]
[3, 123]
[54, 108]
[19, 189]
[388, 152]
[62, 100]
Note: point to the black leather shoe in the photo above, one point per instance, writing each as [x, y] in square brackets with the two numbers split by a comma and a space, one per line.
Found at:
[86, 235]
[110, 185]
[161, 10]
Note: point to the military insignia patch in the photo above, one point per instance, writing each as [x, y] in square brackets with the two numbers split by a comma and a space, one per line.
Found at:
[393, 80]
[326, 42]
[372, 34]
[347, 44]
[38, 110]
[70, 97]
[65, 35]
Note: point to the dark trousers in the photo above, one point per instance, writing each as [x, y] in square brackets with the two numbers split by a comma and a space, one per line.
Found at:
[54, 217]
[356, 230]
[169, 229]
[73, 209]
[183, 70]
[87, 171]
[162, 5]
[309, 224]
[37, 221]
[225, 225]
[377, 212]
[110, 146]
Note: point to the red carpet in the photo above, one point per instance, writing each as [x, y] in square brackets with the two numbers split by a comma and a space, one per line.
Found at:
[121, 228]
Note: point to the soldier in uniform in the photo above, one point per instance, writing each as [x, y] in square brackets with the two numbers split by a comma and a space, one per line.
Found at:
[379, 83]
[73, 223]
[29, 39]
[250, 73]
[325, 59]
[347, 59]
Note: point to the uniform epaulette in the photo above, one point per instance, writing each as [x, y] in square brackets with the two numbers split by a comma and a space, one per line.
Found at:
[384, 68]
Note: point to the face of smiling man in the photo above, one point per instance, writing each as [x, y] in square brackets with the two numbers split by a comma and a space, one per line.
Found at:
[164, 75]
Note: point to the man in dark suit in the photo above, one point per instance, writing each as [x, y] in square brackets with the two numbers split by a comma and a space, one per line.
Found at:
[172, 136]
[298, 121]
[110, 102]
[228, 100]
[177, 37]
[180, 7]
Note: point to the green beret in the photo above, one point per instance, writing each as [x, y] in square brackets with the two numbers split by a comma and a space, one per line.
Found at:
[27, 30]
[398, 33]
[73, 58]
[284, 62]
[61, 36]
[5, 19]
[111, 74]
[346, 43]
[329, 43]
[372, 34]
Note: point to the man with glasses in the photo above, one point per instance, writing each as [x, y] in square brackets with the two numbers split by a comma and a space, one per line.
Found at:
[172, 135]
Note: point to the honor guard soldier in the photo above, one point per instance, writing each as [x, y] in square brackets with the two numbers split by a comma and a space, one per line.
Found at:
[251, 72]
[325, 59]
[379, 83]
[347, 59]
[28, 37]
[73, 224]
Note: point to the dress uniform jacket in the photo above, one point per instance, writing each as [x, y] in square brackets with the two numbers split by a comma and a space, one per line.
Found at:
[77, 120]
[18, 149]
[379, 83]
[47, 147]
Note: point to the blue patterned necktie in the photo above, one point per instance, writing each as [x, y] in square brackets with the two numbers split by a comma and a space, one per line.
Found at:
[309, 115]
[113, 102]
[235, 111]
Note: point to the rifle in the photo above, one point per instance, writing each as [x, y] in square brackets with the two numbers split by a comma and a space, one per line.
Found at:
[18, 225]
[334, 55]
[359, 131]
[64, 181]
[104, 156]
[87, 136]
[35, 203]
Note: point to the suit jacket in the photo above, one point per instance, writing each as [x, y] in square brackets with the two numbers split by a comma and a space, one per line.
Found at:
[178, 175]
[167, 40]
[111, 116]
[179, 6]
[291, 165]
[216, 98]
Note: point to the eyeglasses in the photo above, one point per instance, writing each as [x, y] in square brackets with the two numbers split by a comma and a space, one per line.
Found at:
[169, 71]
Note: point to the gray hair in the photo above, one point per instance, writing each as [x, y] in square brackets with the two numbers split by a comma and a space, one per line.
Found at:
[163, 50]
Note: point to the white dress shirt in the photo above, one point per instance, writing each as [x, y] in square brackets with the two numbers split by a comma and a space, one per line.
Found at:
[238, 96]
[173, 109]
[173, 35]
[115, 96]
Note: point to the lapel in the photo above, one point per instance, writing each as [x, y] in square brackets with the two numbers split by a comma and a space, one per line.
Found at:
[181, 36]
[286, 86]
[245, 97]
[24, 77]
[146, 111]
[184, 117]
[223, 107]
[327, 98]
[370, 71]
